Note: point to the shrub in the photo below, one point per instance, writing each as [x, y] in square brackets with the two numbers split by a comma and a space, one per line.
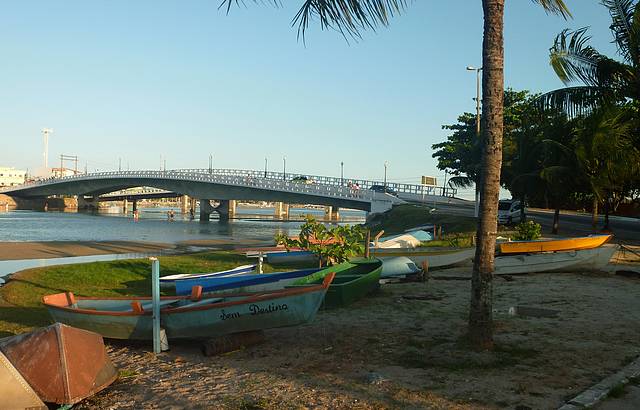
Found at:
[528, 230]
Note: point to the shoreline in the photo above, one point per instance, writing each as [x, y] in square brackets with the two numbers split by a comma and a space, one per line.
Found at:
[63, 249]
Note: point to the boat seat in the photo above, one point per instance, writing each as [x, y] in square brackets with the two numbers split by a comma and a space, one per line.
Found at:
[149, 305]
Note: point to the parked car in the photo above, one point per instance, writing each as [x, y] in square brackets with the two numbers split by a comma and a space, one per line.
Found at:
[509, 211]
[303, 179]
[383, 189]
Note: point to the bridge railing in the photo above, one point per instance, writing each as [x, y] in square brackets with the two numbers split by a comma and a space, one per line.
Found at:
[269, 180]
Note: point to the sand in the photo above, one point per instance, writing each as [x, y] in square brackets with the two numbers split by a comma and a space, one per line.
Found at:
[38, 250]
[403, 348]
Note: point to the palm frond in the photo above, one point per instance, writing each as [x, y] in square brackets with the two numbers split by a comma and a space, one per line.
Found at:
[349, 17]
[460, 182]
[555, 7]
[622, 26]
[573, 101]
[573, 59]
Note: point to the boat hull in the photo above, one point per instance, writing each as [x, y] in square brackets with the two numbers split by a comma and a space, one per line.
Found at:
[585, 260]
[554, 245]
[435, 258]
[170, 281]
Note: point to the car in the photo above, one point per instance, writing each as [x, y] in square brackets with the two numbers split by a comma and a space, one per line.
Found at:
[383, 189]
[509, 211]
[303, 179]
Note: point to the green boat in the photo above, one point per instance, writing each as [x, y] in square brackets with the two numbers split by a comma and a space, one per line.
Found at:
[353, 281]
[190, 317]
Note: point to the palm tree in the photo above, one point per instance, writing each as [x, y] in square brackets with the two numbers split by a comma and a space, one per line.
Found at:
[604, 80]
[350, 17]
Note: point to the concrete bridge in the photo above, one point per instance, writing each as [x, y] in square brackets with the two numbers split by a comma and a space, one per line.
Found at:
[228, 185]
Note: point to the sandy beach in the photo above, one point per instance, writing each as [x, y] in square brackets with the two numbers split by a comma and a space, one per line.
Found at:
[403, 348]
[61, 249]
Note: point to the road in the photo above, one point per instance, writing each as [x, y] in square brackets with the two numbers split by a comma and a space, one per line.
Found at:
[626, 230]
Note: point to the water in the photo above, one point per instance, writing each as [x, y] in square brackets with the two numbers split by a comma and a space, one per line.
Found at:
[153, 226]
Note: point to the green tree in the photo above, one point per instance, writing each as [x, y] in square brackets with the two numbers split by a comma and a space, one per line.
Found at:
[350, 17]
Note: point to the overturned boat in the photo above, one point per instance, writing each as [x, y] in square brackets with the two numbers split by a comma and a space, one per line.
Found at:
[62, 364]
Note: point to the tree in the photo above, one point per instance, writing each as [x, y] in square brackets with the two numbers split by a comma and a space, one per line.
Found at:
[334, 245]
[350, 17]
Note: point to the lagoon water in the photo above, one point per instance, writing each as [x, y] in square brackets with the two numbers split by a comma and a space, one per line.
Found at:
[153, 226]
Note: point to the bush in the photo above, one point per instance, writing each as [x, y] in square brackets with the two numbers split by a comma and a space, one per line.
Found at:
[528, 231]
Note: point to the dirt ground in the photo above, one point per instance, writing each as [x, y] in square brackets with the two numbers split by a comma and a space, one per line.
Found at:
[404, 348]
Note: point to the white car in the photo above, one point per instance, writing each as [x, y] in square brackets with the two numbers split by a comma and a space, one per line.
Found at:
[509, 211]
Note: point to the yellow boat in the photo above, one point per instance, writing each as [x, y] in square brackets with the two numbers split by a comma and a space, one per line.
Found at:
[554, 245]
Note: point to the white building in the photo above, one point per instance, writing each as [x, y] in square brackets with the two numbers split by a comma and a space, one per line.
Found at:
[11, 176]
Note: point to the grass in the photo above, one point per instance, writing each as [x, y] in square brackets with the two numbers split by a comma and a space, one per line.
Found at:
[20, 308]
[406, 216]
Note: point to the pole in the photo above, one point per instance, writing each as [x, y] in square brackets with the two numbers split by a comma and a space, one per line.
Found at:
[478, 101]
[265, 167]
[210, 163]
[341, 173]
[119, 164]
[385, 176]
[155, 296]
[61, 164]
[284, 168]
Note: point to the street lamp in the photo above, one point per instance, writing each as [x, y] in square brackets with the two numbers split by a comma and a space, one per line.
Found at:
[265, 167]
[284, 168]
[341, 173]
[477, 70]
[386, 164]
[210, 163]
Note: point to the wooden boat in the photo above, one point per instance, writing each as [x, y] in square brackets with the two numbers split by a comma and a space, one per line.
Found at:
[292, 256]
[242, 283]
[554, 245]
[190, 317]
[435, 257]
[354, 280]
[582, 260]
[170, 281]
[62, 364]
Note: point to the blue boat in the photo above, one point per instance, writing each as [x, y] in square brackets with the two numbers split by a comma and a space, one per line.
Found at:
[170, 281]
[242, 283]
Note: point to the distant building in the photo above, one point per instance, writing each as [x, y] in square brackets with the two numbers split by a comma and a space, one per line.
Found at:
[11, 176]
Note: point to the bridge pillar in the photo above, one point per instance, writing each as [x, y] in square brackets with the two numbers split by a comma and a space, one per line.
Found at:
[226, 209]
[232, 208]
[135, 205]
[205, 209]
[184, 204]
[87, 203]
[331, 213]
[125, 206]
[281, 210]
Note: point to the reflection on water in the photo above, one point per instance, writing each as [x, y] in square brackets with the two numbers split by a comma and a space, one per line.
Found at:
[253, 224]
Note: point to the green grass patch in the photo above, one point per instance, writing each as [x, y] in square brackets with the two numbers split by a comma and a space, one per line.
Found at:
[21, 310]
[406, 216]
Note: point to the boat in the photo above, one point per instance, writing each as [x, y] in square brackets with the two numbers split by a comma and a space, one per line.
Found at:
[190, 317]
[398, 267]
[242, 282]
[435, 257]
[554, 245]
[583, 260]
[14, 389]
[62, 364]
[292, 256]
[354, 280]
[170, 281]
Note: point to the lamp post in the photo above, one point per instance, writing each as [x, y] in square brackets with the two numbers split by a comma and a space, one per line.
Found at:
[284, 168]
[386, 164]
[265, 167]
[477, 70]
[210, 163]
[341, 173]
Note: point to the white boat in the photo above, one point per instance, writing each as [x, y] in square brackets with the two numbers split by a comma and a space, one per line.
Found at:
[435, 257]
[585, 260]
[170, 281]
[399, 266]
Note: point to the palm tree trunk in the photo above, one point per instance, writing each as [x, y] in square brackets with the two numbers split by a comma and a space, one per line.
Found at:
[594, 215]
[606, 212]
[480, 315]
[556, 221]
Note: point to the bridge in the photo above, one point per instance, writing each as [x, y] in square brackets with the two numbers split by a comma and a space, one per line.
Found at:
[229, 185]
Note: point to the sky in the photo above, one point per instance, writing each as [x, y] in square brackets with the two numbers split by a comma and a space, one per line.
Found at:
[140, 83]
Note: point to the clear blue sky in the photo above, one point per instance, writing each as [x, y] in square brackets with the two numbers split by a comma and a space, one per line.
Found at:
[138, 80]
